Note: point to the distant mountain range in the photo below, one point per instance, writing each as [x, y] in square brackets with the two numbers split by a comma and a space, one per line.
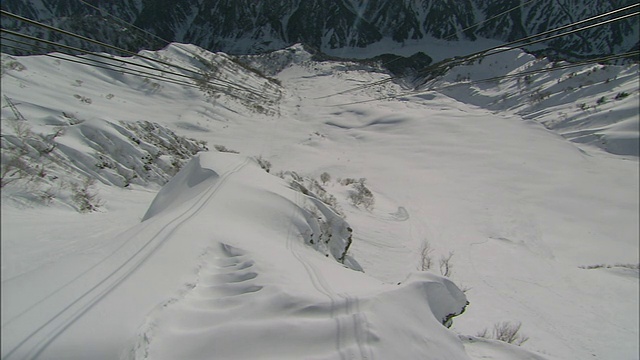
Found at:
[250, 26]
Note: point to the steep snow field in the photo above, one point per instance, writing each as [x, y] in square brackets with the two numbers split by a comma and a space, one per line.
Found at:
[228, 261]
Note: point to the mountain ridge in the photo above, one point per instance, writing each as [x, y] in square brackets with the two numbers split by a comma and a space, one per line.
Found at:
[246, 27]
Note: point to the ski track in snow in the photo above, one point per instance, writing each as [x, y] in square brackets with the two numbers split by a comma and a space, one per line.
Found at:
[229, 294]
[33, 343]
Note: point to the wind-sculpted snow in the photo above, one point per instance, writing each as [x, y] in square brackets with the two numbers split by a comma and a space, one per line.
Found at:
[236, 309]
[186, 185]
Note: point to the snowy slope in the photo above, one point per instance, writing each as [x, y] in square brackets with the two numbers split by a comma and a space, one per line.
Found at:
[588, 104]
[226, 293]
[228, 261]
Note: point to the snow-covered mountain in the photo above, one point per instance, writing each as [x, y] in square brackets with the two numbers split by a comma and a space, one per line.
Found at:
[248, 26]
[138, 221]
[528, 186]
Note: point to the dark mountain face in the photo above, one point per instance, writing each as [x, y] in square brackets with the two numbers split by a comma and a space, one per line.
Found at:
[250, 26]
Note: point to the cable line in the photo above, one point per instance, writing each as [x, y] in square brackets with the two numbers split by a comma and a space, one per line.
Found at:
[48, 27]
[110, 57]
[463, 30]
[106, 65]
[166, 42]
[457, 61]
[501, 47]
[84, 38]
[485, 20]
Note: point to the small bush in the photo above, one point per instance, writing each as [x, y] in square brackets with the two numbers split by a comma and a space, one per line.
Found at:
[445, 265]
[264, 163]
[223, 148]
[311, 187]
[85, 196]
[46, 196]
[621, 95]
[83, 99]
[539, 95]
[12, 169]
[505, 331]
[425, 257]
[362, 195]
[347, 181]
[609, 266]
[325, 177]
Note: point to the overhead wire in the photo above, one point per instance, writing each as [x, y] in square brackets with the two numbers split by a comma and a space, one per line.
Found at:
[152, 35]
[501, 77]
[101, 55]
[122, 21]
[125, 61]
[126, 24]
[489, 19]
[450, 36]
[466, 58]
[129, 24]
[503, 47]
[82, 59]
[109, 46]
[99, 64]
[65, 32]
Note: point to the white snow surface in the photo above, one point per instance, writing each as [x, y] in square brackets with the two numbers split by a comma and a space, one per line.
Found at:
[227, 261]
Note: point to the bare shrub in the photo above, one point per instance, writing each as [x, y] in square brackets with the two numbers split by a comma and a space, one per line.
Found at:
[12, 169]
[609, 266]
[426, 261]
[312, 187]
[621, 95]
[325, 177]
[324, 195]
[362, 195]
[484, 333]
[264, 163]
[505, 331]
[46, 196]
[347, 181]
[85, 196]
[445, 265]
[222, 148]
